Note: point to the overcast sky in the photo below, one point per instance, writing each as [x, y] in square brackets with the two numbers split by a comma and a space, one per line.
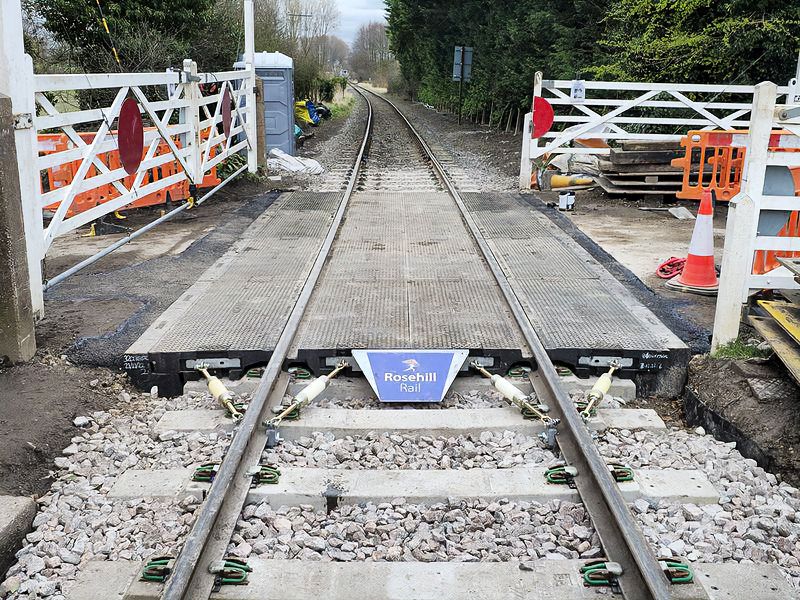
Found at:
[355, 13]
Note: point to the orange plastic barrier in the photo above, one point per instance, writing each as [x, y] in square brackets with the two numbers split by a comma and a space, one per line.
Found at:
[62, 175]
[722, 153]
[714, 160]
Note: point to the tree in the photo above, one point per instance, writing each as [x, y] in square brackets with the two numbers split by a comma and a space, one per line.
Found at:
[168, 29]
[742, 41]
[370, 56]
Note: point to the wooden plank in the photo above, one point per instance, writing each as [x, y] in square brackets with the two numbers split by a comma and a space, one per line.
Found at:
[649, 145]
[609, 187]
[671, 185]
[782, 344]
[786, 314]
[620, 157]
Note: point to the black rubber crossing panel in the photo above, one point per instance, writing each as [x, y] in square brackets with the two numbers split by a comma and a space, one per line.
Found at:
[239, 306]
[405, 273]
[581, 313]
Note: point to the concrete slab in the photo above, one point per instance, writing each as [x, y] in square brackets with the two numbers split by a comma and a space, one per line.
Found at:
[111, 580]
[195, 420]
[621, 388]
[630, 418]
[163, 484]
[435, 423]
[16, 519]
[676, 485]
[343, 422]
[316, 486]
[732, 581]
[540, 580]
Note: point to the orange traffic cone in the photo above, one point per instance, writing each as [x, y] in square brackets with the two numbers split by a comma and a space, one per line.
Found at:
[699, 275]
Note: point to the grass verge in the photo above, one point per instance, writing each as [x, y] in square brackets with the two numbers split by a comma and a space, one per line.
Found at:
[739, 350]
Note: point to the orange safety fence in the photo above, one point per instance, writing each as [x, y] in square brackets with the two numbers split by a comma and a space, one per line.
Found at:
[62, 175]
[714, 161]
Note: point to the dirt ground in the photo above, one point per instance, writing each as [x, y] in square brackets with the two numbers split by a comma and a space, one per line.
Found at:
[751, 402]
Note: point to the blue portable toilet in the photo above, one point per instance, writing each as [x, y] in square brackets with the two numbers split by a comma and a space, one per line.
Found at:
[276, 71]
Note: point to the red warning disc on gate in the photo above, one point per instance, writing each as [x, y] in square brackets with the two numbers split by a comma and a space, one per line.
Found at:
[226, 112]
[543, 116]
[130, 136]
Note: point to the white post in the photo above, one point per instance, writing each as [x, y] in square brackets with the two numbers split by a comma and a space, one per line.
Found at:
[191, 115]
[525, 168]
[743, 212]
[249, 61]
[16, 81]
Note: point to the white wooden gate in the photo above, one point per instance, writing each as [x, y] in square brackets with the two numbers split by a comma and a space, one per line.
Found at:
[185, 128]
[622, 110]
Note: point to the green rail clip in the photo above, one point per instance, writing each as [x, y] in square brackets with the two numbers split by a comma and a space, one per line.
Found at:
[205, 473]
[234, 572]
[560, 475]
[157, 569]
[677, 571]
[300, 373]
[518, 372]
[267, 475]
[596, 574]
[620, 472]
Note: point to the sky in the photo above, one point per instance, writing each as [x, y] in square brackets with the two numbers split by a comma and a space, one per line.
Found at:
[355, 13]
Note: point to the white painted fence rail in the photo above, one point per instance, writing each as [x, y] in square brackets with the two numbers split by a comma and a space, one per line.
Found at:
[750, 211]
[617, 111]
[183, 127]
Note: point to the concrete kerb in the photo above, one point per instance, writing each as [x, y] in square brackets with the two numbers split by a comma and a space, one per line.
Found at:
[16, 519]
[303, 485]
[541, 579]
[342, 422]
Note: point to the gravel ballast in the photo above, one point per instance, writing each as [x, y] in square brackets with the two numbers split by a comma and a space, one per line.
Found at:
[468, 531]
[489, 450]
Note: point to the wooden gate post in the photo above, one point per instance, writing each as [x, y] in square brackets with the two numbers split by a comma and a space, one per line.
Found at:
[17, 340]
[16, 81]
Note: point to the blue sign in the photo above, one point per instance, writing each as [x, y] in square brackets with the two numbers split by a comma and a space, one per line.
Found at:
[410, 375]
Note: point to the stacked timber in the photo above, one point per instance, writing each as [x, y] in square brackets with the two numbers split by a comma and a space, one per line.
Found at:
[642, 167]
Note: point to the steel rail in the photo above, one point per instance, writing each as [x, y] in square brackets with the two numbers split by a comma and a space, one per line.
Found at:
[622, 540]
[190, 578]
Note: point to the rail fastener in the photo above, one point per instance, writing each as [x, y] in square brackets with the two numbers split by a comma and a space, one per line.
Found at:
[229, 571]
[157, 569]
[300, 401]
[220, 392]
[521, 400]
[600, 572]
[677, 571]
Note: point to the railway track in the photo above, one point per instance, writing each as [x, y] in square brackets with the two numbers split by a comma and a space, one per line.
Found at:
[457, 482]
[640, 574]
